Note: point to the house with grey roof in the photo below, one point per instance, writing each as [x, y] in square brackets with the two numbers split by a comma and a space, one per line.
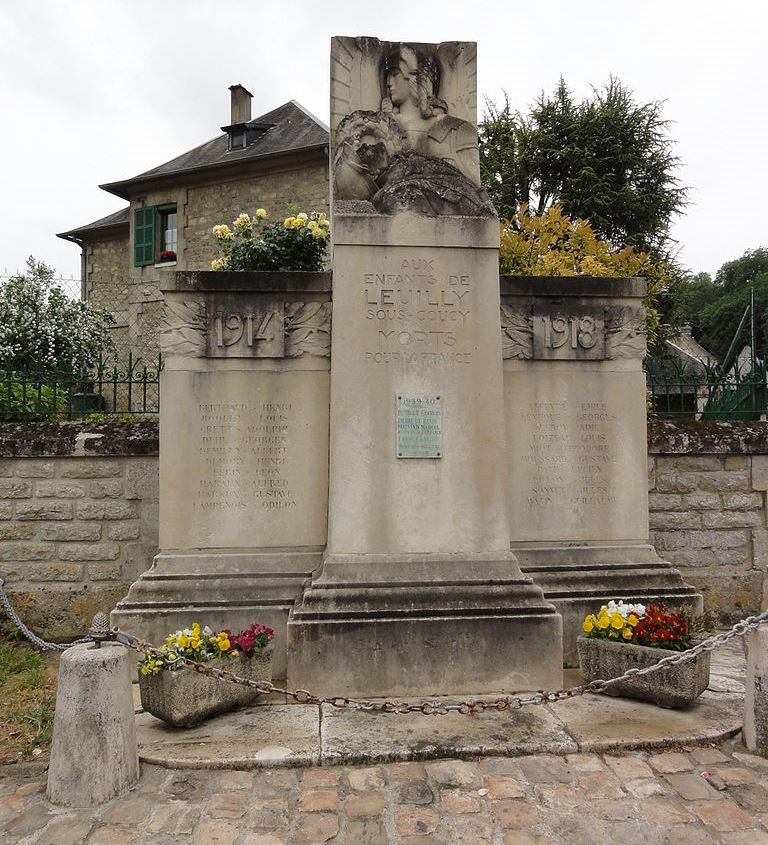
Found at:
[272, 161]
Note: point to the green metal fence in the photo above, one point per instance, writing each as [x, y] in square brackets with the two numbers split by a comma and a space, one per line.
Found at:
[698, 390]
[110, 387]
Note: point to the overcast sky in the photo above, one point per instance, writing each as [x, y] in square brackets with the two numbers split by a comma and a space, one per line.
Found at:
[99, 90]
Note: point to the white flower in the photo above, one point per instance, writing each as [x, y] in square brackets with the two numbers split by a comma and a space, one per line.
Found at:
[218, 263]
[223, 232]
[243, 222]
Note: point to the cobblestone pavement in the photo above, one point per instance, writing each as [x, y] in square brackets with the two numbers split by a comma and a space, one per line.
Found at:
[653, 798]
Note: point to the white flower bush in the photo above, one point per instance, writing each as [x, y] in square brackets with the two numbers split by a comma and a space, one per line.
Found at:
[43, 330]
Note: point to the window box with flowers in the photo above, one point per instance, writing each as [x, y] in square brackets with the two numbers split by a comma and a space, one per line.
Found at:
[183, 697]
[623, 636]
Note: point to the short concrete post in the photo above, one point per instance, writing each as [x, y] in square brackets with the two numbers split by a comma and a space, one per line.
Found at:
[94, 755]
[756, 698]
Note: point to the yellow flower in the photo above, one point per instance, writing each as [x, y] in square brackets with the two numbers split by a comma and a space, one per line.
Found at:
[632, 619]
[182, 640]
[218, 263]
[603, 621]
[617, 621]
[242, 222]
[261, 213]
[195, 629]
[223, 232]
[224, 643]
[627, 633]
[195, 642]
[289, 222]
[589, 624]
[302, 216]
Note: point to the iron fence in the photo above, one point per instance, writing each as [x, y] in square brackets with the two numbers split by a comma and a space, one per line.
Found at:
[701, 390]
[110, 387]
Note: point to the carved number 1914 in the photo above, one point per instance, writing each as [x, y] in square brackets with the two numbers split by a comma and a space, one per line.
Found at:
[231, 328]
[575, 331]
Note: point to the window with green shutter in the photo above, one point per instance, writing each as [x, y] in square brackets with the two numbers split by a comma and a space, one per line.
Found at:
[144, 236]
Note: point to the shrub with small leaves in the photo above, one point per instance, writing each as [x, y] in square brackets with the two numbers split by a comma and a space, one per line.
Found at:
[300, 242]
[553, 244]
[42, 330]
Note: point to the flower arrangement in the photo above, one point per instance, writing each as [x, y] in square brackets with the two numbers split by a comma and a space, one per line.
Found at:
[204, 644]
[167, 255]
[637, 624]
[300, 242]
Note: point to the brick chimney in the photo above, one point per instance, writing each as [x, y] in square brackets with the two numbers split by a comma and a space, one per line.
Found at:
[240, 110]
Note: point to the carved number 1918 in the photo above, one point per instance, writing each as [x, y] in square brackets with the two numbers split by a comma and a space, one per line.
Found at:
[578, 331]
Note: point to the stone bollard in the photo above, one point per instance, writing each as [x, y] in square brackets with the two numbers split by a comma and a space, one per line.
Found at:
[756, 698]
[94, 755]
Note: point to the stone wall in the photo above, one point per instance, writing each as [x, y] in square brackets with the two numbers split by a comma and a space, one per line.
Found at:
[106, 281]
[78, 518]
[707, 500]
[79, 522]
[208, 205]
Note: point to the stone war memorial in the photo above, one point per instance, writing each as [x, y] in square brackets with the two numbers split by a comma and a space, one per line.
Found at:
[420, 474]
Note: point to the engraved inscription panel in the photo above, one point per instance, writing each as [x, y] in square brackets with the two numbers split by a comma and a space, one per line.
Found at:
[244, 448]
[418, 312]
[570, 454]
[235, 329]
[568, 334]
[244, 459]
[419, 426]
[578, 456]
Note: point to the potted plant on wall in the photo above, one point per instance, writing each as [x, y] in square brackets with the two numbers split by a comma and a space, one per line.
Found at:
[622, 636]
[183, 697]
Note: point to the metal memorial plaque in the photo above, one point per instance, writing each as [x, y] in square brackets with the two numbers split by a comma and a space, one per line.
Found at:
[419, 426]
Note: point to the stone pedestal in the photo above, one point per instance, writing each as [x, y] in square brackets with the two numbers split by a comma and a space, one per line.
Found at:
[94, 755]
[243, 453]
[577, 450]
[418, 592]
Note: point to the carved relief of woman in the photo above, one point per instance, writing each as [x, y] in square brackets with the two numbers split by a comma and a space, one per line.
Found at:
[411, 98]
[411, 154]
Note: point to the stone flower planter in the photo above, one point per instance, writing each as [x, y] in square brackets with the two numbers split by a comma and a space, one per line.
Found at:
[183, 698]
[676, 686]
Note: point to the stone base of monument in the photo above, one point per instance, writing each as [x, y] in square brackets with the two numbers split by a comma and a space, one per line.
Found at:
[579, 579]
[225, 589]
[423, 625]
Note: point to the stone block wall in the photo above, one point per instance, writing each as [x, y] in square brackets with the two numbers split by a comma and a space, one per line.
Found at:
[78, 518]
[707, 502]
[107, 284]
[79, 514]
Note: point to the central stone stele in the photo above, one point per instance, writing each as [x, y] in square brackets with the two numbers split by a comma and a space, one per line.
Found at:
[418, 592]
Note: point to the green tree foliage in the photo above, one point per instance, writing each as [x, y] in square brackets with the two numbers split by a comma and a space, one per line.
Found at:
[606, 159]
[714, 307]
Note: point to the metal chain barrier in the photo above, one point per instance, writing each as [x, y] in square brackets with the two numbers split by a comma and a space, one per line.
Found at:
[432, 708]
[42, 644]
[440, 707]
